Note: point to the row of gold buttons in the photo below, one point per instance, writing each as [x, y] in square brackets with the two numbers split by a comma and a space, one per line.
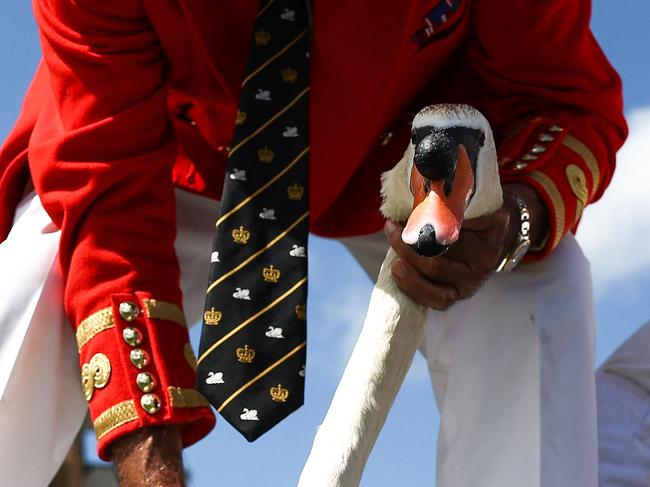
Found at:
[537, 149]
[139, 358]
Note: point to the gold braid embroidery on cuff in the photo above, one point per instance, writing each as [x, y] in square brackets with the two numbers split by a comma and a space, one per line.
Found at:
[558, 204]
[590, 160]
[103, 319]
[186, 398]
[162, 310]
[114, 417]
[96, 323]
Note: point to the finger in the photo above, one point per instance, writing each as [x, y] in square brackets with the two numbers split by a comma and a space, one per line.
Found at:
[421, 290]
[486, 223]
[472, 247]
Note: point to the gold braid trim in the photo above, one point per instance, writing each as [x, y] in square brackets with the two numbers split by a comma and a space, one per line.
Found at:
[590, 160]
[103, 319]
[186, 398]
[162, 310]
[96, 323]
[114, 417]
[558, 204]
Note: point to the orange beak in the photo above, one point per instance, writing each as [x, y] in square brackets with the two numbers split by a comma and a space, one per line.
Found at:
[437, 212]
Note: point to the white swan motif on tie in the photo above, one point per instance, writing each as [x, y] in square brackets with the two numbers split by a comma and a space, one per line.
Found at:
[238, 175]
[214, 257]
[288, 15]
[290, 132]
[263, 95]
[447, 140]
[249, 415]
[297, 251]
[215, 378]
[242, 294]
[267, 214]
[274, 332]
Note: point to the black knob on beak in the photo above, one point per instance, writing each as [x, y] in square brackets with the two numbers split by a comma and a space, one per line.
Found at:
[427, 245]
[436, 155]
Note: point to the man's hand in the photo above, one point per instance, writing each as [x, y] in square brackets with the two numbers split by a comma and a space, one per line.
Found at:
[438, 282]
[150, 457]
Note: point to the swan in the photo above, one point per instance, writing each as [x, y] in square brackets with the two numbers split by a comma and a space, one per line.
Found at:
[238, 175]
[241, 294]
[249, 415]
[297, 251]
[267, 214]
[274, 332]
[214, 378]
[448, 172]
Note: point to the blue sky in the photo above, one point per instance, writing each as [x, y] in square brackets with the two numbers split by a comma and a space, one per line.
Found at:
[614, 234]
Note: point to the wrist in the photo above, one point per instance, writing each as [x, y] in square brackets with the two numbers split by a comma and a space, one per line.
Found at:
[150, 456]
[539, 220]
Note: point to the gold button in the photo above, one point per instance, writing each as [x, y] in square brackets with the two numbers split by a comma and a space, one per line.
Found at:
[529, 157]
[129, 311]
[145, 381]
[538, 149]
[519, 165]
[384, 138]
[139, 358]
[150, 403]
[545, 138]
[555, 128]
[132, 336]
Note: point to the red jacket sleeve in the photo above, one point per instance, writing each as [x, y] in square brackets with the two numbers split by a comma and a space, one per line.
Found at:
[553, 99]
[101, 157]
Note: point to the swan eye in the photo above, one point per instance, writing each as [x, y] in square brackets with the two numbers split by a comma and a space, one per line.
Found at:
[413, 137]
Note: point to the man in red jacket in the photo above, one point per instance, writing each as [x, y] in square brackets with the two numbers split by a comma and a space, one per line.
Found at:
[133, 108]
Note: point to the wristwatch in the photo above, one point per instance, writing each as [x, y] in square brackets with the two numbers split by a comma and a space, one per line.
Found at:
[522, 244]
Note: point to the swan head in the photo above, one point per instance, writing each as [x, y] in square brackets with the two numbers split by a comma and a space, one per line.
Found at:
[449, 172]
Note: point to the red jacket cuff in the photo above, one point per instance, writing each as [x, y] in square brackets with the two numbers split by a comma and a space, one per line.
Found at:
[138, 370]
[552, 157]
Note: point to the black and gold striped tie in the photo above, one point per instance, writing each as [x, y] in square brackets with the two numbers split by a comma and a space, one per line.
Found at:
[252, 351]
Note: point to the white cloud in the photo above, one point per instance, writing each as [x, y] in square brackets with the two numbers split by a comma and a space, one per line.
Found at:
[615, 231]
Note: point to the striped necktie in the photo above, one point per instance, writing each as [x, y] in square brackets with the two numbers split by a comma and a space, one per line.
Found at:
[251, 364]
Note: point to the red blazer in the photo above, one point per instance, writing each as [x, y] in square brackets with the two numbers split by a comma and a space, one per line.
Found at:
[134, 97]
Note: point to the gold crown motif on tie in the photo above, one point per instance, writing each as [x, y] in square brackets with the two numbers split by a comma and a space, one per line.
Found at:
[295, 191]
[241, 235]
[271, 274]
[262, 38]
[240, 118]
[245, 354]
[279, 393]
[289, 75]
[265, 155]
[301, 311]
[212, 317]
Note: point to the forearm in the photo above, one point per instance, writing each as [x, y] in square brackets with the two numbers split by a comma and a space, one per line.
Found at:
[150, 457]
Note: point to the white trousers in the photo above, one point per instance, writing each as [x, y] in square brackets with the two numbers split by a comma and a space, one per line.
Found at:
[512, 367]
[623, 391]
[512, 371]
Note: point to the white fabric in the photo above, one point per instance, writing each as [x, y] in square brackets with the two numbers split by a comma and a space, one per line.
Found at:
[623, 392]
[42, 406]
[515, 387]
[512, 370]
